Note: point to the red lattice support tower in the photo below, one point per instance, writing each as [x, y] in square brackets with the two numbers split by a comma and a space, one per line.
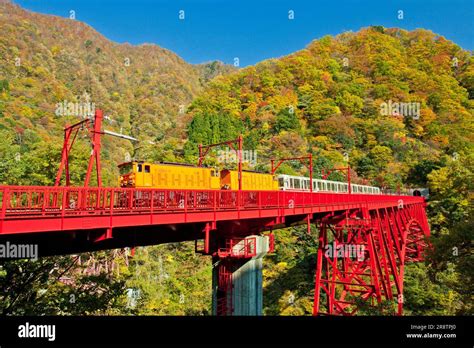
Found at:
[93, 125]
[224, 288]
[230, 257]
[362, 254]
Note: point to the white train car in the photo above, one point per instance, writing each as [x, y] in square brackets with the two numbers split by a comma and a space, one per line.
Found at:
[301, 183]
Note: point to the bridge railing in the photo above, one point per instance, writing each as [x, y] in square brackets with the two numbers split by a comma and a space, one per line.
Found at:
[70, 201]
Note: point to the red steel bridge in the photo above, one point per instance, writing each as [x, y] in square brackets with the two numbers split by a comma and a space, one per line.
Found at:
[391, 228]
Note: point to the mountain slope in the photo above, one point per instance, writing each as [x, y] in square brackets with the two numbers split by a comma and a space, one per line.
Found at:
[333, 98]
[336, 99]
[144, 89]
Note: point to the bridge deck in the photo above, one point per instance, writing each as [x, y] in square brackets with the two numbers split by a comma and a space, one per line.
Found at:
[28, 209]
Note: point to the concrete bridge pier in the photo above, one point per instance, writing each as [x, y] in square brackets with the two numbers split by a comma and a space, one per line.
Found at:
[237, 276]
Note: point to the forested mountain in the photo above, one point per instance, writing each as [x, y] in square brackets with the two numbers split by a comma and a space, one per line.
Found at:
[335, 98]
[144, 90]
[329, 97]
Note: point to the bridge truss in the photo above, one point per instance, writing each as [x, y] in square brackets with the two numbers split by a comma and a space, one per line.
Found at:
[392, 230]
[362, 255]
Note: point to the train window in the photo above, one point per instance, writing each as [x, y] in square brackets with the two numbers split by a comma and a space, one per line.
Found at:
[139, 168]
[281, 182]
[297, 184]
[147, 169]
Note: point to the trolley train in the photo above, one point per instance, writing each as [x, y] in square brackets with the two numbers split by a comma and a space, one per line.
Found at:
[189, 177]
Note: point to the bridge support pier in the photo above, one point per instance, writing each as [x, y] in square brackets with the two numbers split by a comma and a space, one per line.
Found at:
[361, 259]
[237, 276]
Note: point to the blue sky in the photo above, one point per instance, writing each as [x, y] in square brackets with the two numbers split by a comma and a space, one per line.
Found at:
[255, 30]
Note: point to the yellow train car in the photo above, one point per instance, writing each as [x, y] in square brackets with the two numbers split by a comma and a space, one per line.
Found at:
[168, 176]
[251, 181]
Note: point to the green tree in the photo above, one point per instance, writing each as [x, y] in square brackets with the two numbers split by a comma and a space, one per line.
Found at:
[286, 120]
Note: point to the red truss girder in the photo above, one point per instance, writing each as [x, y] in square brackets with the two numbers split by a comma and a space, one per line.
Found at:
[35, 209]
[392, 234]
[389, 237]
